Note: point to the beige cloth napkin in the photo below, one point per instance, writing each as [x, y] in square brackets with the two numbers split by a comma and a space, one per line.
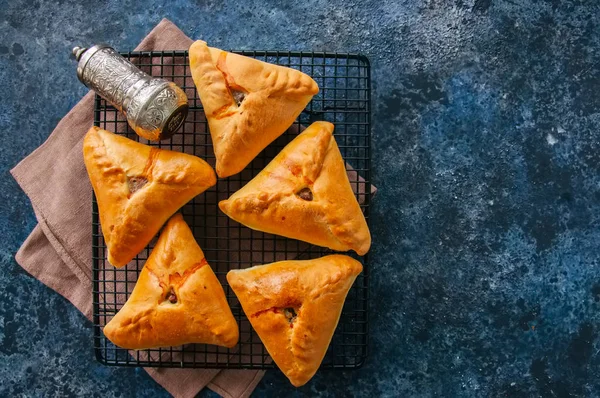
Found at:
[58, 250]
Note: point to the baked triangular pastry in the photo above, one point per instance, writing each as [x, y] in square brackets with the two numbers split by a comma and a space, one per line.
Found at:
[248, 103]
[304, 194]
[176, 300]
[295, 306]
[138, 188]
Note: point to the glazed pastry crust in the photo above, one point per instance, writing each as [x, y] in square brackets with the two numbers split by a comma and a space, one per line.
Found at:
[200, 314]
[315, 289]
[274, 96]
[272, 202]
[165, 181]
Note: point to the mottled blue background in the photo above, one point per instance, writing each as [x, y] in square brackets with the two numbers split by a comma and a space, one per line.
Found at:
[486, 151]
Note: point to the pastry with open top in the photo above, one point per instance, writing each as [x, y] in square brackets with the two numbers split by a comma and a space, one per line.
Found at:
[176, 300]
[138, 187]
[248, 103]
[295, 306]
[304, 193]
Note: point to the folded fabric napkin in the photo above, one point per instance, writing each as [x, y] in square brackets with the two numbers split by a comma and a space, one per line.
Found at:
[58, 250]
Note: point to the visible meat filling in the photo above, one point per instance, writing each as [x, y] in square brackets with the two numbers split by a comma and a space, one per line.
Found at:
[136, 183]
[305, 193]
[238, 96]
[171, 297]
[290, 314]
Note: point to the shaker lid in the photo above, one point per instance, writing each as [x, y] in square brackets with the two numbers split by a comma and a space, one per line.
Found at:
[174, 121]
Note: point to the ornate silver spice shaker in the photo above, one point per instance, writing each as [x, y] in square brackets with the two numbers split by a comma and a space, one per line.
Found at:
[155, 107]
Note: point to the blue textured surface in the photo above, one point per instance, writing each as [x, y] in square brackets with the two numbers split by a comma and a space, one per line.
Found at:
[486, 146]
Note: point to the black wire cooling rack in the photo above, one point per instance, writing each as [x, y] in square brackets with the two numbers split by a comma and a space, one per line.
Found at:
[344, 99]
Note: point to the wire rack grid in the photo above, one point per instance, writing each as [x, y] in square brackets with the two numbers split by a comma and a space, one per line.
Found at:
[344, 99]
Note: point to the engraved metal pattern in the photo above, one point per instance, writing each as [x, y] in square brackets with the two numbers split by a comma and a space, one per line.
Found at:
[127, 83]
[159, 109]
[156, 108]
[147, 102]
[134, 107]
[143, 96]
[111, 76]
